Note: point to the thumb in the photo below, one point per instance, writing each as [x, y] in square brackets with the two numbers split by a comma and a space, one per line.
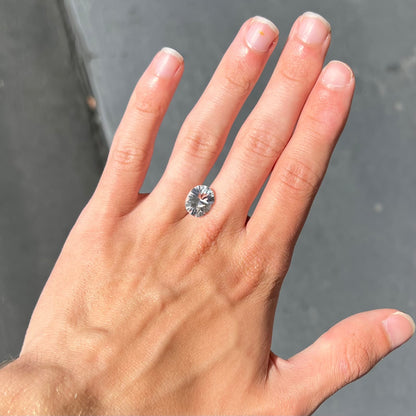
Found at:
[345, 353]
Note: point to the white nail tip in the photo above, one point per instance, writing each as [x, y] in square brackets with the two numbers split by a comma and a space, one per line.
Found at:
[317, 16]
[173, 52]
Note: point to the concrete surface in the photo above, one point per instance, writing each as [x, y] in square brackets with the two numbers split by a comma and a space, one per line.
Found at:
[49, 164]
[358, 248]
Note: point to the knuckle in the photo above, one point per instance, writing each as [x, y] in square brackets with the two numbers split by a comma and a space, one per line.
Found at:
[145, 102]
[356, 361]
[236, 80]
[129, 158]
[323, 116]
[295, 70]
[262, 141]
[299, 179]
[200, 142]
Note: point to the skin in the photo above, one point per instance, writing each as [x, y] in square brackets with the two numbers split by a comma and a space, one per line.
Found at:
[149, 310]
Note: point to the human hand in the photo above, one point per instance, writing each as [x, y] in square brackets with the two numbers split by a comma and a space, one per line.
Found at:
[150, 310]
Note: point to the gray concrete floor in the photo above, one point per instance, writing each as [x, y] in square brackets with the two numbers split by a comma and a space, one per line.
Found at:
[358, 248]
[49, 164]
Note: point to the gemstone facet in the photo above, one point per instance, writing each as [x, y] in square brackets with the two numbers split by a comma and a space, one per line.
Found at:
[199, 200]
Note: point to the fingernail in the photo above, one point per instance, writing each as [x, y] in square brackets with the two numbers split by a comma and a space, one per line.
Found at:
[313, 28]
[337, 75]
[399, 327]
[167, 62]
[261, 34]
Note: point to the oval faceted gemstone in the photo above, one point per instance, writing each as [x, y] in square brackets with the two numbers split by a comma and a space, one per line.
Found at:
[199, 200]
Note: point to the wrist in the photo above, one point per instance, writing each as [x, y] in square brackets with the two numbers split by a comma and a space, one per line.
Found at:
[31, 388]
